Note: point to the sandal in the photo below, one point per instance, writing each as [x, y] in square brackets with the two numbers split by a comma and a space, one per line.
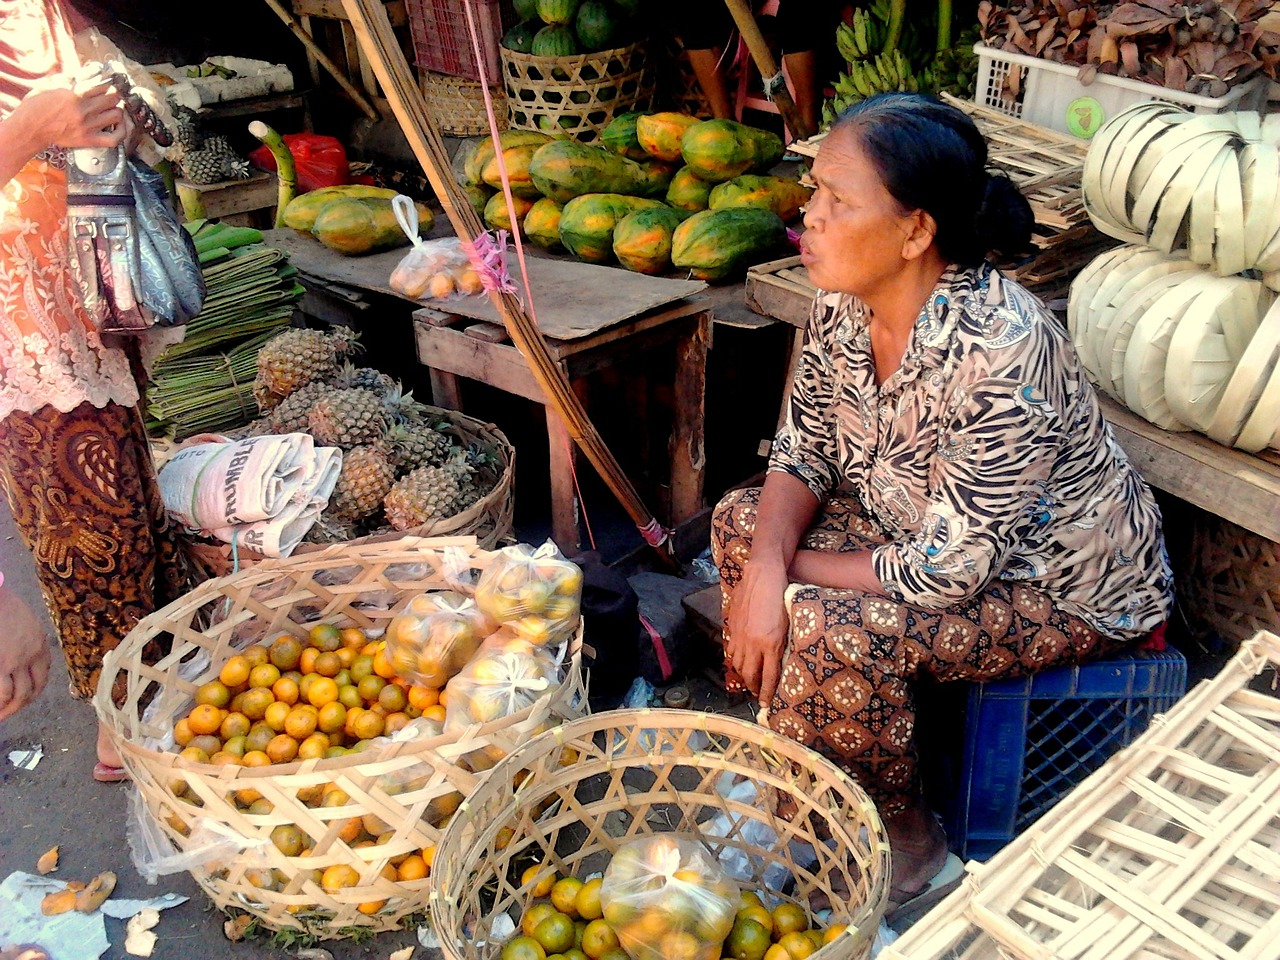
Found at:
[905, 908]
[106, 773]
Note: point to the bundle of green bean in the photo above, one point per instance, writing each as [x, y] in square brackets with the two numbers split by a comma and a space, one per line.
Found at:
[205, 383]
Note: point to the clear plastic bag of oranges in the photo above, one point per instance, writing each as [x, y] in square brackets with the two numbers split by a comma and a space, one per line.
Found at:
[434, 636]
[668, 897]
[535, 593]
[506, 675]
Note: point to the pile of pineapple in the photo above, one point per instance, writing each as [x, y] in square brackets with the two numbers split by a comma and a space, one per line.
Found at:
[400, 467]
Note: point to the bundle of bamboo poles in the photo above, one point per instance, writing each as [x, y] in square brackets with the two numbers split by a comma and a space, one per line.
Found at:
[381, 48]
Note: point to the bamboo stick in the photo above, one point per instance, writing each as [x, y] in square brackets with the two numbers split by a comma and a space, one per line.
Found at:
[373, 31]
[767, 66]
[322, 58]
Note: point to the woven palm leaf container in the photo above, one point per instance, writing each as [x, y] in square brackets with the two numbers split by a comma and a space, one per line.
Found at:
[402, 789]
[489, 519]
[576, 95]
[457, 104]
[761, 804]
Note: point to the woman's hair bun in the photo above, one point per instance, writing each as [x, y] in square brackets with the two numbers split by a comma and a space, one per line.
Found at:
[1004, 219]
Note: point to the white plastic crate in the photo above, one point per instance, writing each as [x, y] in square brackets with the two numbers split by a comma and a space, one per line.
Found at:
[1051, 96]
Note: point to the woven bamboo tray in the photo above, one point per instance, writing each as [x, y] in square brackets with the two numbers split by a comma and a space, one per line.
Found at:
[616, 776]
[1231, 586]
[412, 786]
[1169, 850]
[577, 95]
[489, 519]
[457, 104]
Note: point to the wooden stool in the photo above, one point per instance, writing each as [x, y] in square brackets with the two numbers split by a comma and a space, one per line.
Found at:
[454, 346]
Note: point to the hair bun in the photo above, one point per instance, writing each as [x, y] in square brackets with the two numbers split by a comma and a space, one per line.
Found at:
[1004, 219]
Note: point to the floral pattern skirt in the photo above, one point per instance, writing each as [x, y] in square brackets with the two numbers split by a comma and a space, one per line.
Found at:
[846, 683]
[82, 489]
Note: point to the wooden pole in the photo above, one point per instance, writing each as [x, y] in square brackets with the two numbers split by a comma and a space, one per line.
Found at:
[373, 31]
[323, 59]
[768, 67]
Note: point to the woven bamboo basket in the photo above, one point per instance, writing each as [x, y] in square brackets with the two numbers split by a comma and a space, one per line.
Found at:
[457, 104]
[489, 519]
[1168, 850]
[412, 785]
[576, 95]
[1231, 586]
[607, 779]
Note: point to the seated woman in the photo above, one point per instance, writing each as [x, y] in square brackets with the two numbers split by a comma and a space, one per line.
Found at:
[945, 497]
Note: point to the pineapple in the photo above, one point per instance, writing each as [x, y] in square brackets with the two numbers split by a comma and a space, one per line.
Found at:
[426, 494]
[214, 161]
[290, 415]
[419, 444]
[331, 529]
[351, 377]
[296, 357]
[347, 418]
[366, 478]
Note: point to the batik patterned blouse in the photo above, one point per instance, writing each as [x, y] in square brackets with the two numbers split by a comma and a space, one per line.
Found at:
[984, 455]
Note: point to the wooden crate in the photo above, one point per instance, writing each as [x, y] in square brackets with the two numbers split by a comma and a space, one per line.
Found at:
[1169, 850]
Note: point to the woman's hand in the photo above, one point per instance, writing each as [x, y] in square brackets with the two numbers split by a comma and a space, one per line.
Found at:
[758, 627]
[68, 118]
[24, 654]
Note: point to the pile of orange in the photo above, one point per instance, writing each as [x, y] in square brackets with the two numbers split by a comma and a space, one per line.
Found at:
[566, 921]
[298, 699]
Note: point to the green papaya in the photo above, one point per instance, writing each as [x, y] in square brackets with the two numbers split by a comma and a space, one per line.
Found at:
[687, 191]
[657, 178]
[718, 245]
[642, 239]
[482, 155]
[497, 213]
[782, 195]
[587, 223]
[542, 224]
[564, 169]
[356, 225]
[719, 150]
[302, 210]
[619, 135]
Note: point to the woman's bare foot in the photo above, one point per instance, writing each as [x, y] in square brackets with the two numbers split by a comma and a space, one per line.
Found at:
[917, 848]
[107, 753]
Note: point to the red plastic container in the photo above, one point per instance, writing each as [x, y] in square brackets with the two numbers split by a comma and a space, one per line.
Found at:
[442, 37]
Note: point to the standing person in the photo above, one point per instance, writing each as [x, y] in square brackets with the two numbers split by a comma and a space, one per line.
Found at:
[74, 456]
[945, 497]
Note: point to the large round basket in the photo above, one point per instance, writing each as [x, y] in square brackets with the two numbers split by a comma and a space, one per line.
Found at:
[571, 798]
[457, 104]
[405, 789]
[489, 519]
[576, 95]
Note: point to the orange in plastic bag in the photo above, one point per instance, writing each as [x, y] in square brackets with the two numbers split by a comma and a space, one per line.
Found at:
[434, 636]
[536, 593]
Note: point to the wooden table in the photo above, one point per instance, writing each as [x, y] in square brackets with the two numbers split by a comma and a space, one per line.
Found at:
[1237, 486]
[590, 317]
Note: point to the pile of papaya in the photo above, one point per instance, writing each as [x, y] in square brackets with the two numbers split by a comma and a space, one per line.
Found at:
[659, 191]
[352, 219]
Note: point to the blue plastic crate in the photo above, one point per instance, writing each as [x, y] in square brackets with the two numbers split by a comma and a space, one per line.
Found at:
[1029, 741]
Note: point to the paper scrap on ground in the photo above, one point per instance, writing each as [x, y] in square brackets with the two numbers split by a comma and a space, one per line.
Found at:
[68, 936]
[26, 759]
[139, 941]
[427, 937]
[124, 909]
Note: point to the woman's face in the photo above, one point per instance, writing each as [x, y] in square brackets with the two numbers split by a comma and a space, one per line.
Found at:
[854, 229]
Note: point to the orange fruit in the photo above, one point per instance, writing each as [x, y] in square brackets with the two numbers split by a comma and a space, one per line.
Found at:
[814, 934]
[263, 675]
[789, 918]
[588, 900]
[535, 915]
[204, 718]
[282, 749]
[370, 687]
[349, 727]
[361, 667]
[337, 877]
[748, 940]
[545, 879]
[255, 702]
[597, 938]
[564, 895]
[235, 671]
[207, 742]
[615, 954]
[797, 945]
[429, 855]
[393, 722]
[576, 954]
[285, 690]
[331, 718]
[258, 737]
[444, 696]
[301, 721]
[555, 933]
[288, 839]
[285, 652]
[393, 698]
[349, 696]
[423, 697]
[313, 747]
[182, 732]
[367, 725]
[522, 948]
[680, 945]
[833, 932]
[275, 715]
[412, 867]
[322, 691]
[353, 638]
[351, 831]
[328, 664]
[307, 660]
[381, 665]
[255, 654]
[777, 952]
[436, 713]
[261, 807]
[256, 758]
[370, 648]
[325, 636]
[234, 746]
[214, 692]
[194, 754]
[760, 915]
[370, 907]
[347, 656]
